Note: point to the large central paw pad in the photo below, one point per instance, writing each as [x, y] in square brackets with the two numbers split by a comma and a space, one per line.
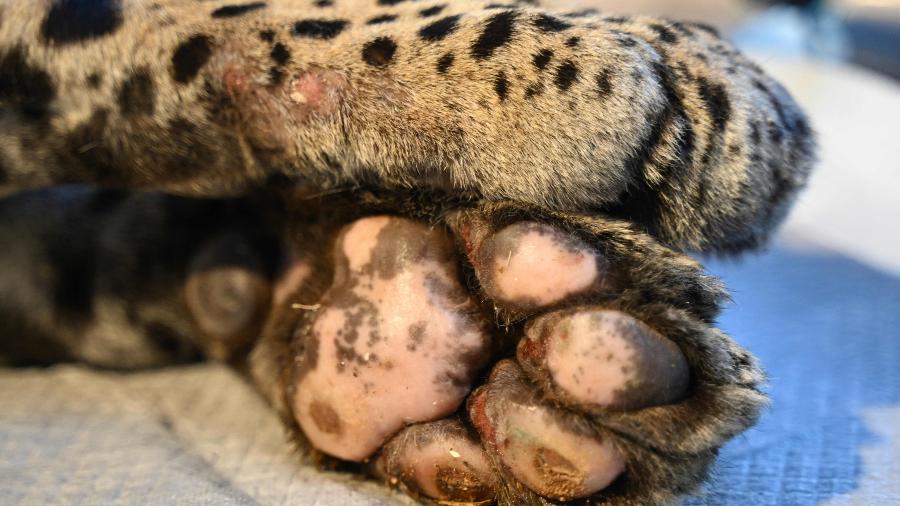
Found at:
[617, 387]
[395, 342]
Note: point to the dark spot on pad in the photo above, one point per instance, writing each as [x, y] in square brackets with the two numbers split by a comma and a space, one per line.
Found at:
[542, 58]
[501, 86]
[189, 58]
[497, 32]
[557, 472]
[70, 21]
[444, 63]
[439, 29]
[379, 52]
[280, 54]
[652, 353]
[137, 96]
[462, 485]
[384, 18]
[401, 243]
[546, 23]
[416, 335]
[432, 11]
[231, 11]
[24, 85]
[566, 75]
[319, 28]
[325, 417]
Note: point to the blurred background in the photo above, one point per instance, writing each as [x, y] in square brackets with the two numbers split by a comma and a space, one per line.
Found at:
[862, 32]
[820, 308]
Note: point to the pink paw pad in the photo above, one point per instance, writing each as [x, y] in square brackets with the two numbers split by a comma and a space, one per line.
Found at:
[531, 265]
[606, 359]
[395, 341]
[550, 451]
[441, 460]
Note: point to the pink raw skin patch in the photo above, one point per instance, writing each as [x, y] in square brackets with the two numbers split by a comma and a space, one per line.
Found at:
[264, 107]
[316, 91]
[393, 342]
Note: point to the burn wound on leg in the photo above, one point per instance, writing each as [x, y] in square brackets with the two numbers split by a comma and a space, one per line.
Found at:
[530, 265]
[316, 91]
[264, 107]
[552, 453]
[396, 339]
[440, 460]
[605, 358]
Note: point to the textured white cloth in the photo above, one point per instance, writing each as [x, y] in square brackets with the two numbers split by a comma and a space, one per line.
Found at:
[191, 435]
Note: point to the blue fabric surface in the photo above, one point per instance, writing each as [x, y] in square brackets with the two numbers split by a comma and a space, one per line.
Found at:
[827, 330]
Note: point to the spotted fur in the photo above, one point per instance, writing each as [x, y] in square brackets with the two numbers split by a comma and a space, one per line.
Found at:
[633, 133]
[662, 123]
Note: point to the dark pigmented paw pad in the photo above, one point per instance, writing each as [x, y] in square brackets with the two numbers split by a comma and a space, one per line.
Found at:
[553, 452]
[440, 460]
[595, 357]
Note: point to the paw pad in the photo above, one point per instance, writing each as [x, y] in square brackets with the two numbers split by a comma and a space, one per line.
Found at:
[596, 389]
